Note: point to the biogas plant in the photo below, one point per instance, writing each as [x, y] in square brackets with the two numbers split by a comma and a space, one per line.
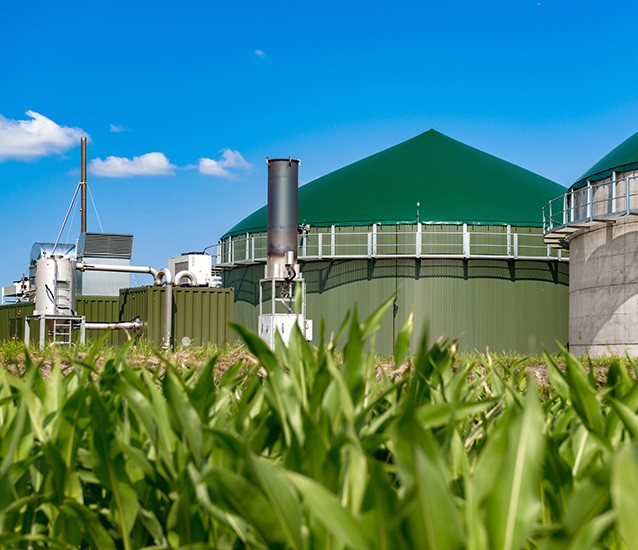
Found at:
[468, 246]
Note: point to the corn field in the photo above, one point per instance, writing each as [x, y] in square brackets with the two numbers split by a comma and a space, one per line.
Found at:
[316, 448]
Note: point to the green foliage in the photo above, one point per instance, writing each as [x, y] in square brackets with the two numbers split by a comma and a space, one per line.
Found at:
[318, 448]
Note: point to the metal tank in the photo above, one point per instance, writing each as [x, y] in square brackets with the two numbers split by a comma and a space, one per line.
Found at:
[55, 286]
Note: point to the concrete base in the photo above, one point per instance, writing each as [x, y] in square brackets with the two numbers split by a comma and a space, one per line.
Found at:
[603, 289]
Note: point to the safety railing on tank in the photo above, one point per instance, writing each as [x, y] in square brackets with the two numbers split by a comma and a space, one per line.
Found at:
[596, 202]
[385, 241]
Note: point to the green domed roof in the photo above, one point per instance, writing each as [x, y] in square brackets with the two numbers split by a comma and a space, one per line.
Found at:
[453, 182]
[622, 159]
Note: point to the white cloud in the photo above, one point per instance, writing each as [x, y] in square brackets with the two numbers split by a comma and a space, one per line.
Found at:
[231, 159]
[38, 137]
[150, 164]
[212, 167]
[118, 128]
[260, 53]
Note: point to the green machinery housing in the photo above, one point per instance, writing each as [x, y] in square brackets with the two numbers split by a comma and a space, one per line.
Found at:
[455, 234]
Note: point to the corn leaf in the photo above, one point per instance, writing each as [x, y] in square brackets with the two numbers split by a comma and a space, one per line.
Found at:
[624, 488]
[513, 506]
[325, 508]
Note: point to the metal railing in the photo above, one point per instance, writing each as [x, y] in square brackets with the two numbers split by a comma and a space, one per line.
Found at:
[604, 201]
[384, 241]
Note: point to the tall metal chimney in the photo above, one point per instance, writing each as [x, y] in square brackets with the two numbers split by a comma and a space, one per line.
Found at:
[283, 181]
[83, 185]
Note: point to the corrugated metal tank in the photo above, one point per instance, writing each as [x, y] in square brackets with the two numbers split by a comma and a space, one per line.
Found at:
[454, 232]
[503, 306]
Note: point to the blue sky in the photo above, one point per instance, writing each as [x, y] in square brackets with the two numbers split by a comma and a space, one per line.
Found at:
[189, 97]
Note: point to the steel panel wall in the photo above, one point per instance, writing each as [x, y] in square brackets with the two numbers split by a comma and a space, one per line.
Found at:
[104, 309]
[517, 306]
[12, 320]
[146, 303]
[203, 315]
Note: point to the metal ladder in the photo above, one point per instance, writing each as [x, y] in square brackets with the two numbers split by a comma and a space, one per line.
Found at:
[62, 330]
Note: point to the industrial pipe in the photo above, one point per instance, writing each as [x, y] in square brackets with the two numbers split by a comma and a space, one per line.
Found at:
[185, 274]
[126, 325]
[83, 266]
[165, 274]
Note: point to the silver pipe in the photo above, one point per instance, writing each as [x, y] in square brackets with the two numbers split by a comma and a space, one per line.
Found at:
[185, 274]
[163, 276]
[127, 325]
[166, 275]
[83, 266]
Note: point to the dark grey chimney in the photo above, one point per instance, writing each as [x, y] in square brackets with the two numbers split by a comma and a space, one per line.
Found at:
[283, 181]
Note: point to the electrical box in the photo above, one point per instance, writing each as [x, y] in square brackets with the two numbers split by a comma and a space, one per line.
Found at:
[283, 323]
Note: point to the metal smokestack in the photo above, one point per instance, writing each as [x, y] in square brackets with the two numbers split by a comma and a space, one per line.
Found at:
[283, 180]
[83, 185]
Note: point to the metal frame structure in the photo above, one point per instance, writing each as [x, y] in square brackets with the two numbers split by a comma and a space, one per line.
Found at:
[380, 243]
[66, 322]
[595, 203]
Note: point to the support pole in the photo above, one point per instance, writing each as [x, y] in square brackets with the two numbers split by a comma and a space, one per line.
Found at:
[83, 185]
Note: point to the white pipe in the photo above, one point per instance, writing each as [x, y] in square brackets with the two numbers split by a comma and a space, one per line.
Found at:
[185, 274]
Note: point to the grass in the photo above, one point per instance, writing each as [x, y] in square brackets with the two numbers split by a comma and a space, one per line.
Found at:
[317, 448]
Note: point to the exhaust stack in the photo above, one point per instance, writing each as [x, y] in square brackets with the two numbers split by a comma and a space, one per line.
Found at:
[282, 291]
[283, 181]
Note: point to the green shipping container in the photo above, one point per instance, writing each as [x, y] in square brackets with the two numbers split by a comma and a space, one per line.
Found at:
[95, 308]
[12, 320]
[202, 314]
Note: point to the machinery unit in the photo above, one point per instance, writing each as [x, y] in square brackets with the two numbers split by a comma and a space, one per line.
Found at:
[104, 249]
[55, 301]
[18, 291]
[199, 264]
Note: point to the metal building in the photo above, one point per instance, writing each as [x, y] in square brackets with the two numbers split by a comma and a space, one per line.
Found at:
[596, 221]
[454, 232]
